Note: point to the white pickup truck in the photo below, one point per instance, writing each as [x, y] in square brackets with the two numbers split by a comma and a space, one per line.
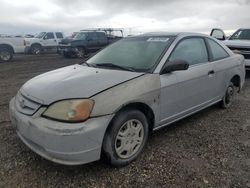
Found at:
[238, 42]
[10, 46]
[43, 41]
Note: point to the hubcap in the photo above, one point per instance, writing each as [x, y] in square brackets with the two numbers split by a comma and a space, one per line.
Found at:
[36, 50]
[80, 52]
[5, 56]
[129, 139]
[229, 96]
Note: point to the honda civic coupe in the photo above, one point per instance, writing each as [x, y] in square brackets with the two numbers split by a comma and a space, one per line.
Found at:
[107, 106]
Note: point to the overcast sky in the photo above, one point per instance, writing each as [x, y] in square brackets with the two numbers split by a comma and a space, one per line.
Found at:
[136, 16]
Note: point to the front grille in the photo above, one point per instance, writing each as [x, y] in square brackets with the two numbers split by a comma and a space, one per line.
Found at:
[25, 105]
[243, 51]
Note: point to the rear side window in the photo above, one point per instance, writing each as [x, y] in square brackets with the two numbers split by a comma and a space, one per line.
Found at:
[59, 35]
[192, 50]
[217, 50]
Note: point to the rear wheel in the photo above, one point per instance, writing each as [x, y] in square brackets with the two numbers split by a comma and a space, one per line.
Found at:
[126, 137]
[228, 97]
[36, 49]
[5, 54]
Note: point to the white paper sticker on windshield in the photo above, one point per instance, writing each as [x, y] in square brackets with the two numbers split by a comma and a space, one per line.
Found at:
[158, 39]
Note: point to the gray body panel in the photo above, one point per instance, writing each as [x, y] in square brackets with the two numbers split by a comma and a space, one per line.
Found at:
[170, 96]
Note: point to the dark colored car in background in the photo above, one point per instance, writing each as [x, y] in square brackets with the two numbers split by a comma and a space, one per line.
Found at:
[88, 41]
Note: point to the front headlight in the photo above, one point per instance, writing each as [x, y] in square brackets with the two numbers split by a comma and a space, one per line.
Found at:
[75, 110]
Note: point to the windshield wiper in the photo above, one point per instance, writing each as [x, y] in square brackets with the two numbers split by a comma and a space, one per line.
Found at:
[111, 65]
[85, 62]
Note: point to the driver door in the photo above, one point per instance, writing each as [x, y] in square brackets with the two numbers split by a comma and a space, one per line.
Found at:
[185, 92]
[49, 40]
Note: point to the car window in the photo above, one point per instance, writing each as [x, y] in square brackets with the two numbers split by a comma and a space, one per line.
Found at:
[218, 51]
[81, 36]
[93, 36]
[49, 36]
[243, 34]
[40, 35]
[59, 35]
[192, 50]
[101, 35]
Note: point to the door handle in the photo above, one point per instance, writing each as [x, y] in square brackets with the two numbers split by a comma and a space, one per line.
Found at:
[211, 72]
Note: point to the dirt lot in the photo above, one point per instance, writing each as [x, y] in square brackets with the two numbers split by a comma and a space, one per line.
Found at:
[208, 149]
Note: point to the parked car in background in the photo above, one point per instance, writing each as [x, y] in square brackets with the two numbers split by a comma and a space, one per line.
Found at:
[238, 42]
[108, 105]
[43, 41]
[88, 41]
[10, 46]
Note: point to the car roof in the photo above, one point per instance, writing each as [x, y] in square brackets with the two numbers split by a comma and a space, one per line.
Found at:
[88, 31]
[174, 34]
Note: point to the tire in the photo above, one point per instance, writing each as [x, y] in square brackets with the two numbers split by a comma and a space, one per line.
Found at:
[81, 52]
[6, 54]
[36, 49]
[125, 137]
[228, 98]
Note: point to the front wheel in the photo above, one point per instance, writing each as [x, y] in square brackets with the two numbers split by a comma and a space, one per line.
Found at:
[126, 137]
[5, 54]
[80, 52]
[228, 97]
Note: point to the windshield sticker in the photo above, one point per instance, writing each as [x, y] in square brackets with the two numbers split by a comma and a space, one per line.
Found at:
[158, 39]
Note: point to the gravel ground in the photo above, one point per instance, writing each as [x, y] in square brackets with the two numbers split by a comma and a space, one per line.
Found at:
[208, 149]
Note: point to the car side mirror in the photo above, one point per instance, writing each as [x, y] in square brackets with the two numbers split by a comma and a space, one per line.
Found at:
[218, 34]
[175, 65]
[45, 37]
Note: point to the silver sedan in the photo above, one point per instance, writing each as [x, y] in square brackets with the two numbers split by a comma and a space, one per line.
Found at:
[108, 105]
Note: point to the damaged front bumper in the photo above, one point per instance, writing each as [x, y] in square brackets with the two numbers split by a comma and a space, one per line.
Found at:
[64, 143]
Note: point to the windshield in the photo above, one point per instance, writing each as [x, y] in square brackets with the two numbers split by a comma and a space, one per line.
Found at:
[138, 53]
[80, 36]
[242, 34]
[40, 35]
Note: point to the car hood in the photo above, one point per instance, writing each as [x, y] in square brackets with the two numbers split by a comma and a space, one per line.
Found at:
[66, 41]
[75, 81]
[237, 43]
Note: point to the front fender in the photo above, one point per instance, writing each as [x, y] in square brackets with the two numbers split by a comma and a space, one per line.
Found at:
[144, 89]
